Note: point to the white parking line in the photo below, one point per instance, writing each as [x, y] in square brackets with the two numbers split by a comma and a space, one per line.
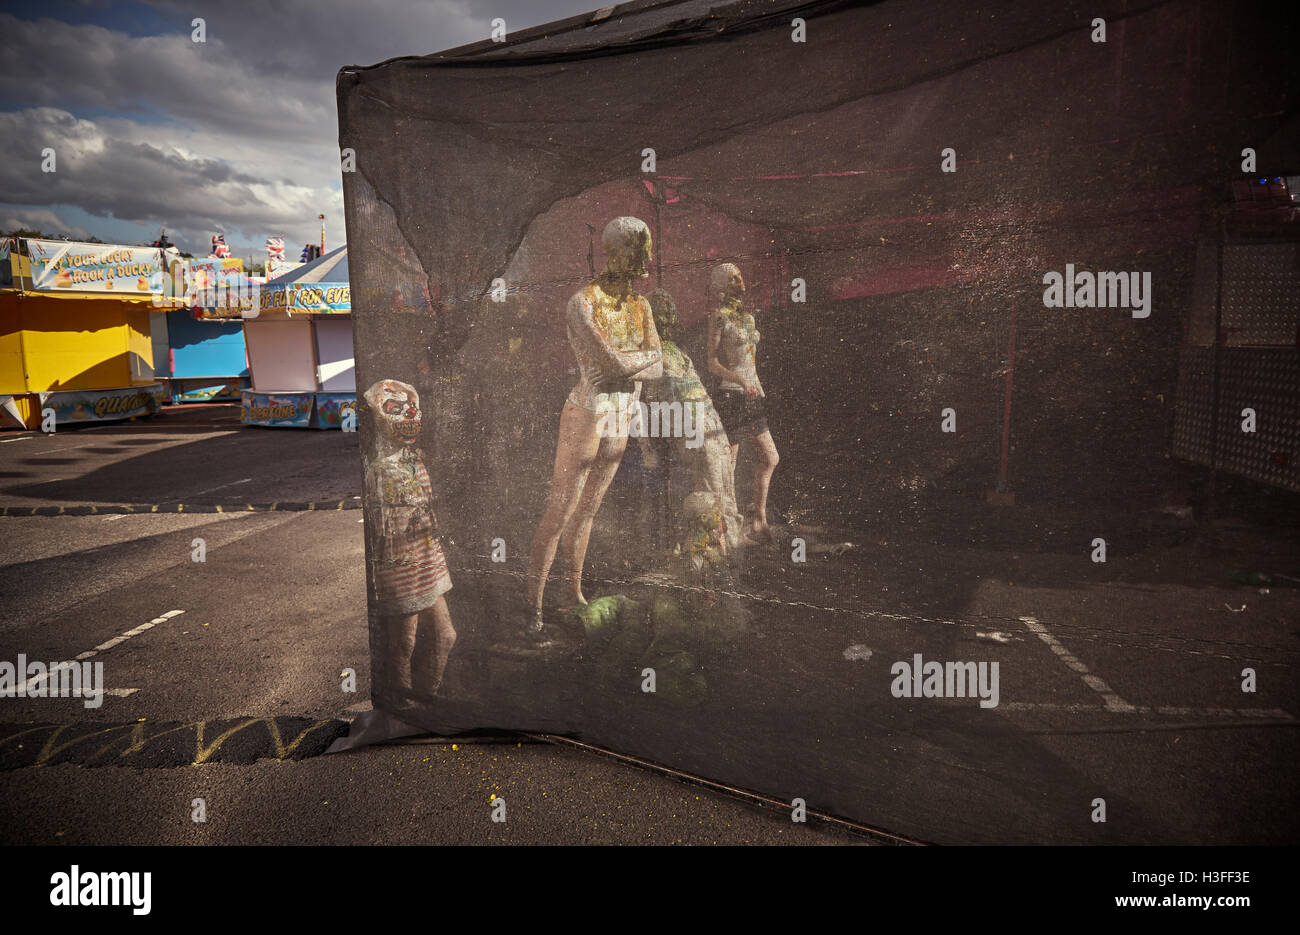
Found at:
[1113, 701]
[105, 647]
[233, 483]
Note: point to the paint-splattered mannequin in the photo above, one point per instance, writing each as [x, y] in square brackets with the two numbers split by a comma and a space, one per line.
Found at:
[612, 333]
[709, 461]
[740, 401]
[409, 569]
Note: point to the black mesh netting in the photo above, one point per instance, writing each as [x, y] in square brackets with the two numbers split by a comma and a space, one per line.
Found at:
[950, 447]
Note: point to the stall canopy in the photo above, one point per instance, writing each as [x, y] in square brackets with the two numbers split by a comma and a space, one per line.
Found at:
[898, 183]
[320, 287]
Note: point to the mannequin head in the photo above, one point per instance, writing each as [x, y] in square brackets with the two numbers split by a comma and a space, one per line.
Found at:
[396, 409]
[665, 313]
[626, 242]
[725, 282]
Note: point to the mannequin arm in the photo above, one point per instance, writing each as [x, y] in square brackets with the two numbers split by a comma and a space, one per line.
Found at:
[615, 364]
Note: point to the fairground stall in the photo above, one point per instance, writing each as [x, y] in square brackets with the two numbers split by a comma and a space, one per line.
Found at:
[74, 332]
[199, 358]
[299, 342]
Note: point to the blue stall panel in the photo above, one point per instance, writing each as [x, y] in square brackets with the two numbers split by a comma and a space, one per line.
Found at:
[205, 348]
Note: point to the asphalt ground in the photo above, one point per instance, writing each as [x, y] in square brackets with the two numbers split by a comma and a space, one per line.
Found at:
[205, 703]
[1120, 681]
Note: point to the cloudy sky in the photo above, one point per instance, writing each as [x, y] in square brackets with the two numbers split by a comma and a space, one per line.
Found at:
[237, 135]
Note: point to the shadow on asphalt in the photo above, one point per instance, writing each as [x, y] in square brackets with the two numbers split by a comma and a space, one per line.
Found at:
[225, 463]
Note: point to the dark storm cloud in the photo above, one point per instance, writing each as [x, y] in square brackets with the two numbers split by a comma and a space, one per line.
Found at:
[104, 173]
[88, 67]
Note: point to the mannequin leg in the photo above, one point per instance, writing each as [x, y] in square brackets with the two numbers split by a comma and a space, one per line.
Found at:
[578, 530]
[435, 628]
[765, 462]
[574, 455]
[401, 648]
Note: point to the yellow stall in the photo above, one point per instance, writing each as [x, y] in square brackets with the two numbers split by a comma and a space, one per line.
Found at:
[74, 332]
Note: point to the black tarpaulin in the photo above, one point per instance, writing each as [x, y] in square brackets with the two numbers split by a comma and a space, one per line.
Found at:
[484, 179]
